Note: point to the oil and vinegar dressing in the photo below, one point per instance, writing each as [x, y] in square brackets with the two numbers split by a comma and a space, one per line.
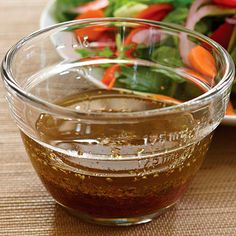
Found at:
[112, 168]
[145, 183]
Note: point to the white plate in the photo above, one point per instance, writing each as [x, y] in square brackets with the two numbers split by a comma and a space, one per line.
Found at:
[47, 19]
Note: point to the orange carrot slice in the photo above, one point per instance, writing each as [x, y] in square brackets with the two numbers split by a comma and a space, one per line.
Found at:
[91, 14]
[202, 61]
[230, 110]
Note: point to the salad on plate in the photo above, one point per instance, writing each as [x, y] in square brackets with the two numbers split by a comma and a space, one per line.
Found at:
[213, 18]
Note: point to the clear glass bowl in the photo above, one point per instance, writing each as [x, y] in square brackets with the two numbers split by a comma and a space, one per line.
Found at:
[116, 115]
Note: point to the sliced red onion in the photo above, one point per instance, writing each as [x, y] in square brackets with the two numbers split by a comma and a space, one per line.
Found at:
[196, 4]
[206, 10]
[209, 10]
[147, 36]
[101, 44]
[94, 5]
[184, 44]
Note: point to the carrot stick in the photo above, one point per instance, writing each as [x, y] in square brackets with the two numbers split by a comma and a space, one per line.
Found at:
[91, 14]
[202, 61]
[112, 83]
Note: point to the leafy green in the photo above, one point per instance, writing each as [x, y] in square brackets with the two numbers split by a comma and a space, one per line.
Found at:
[105, 66]
[232, 42]
[203, 26]
[120, 47]
[119, 44]
[233, 91]
[157, 81]
[150, 80]
[233, 54]
[130, 9]
[167, 56]
[84, 52]
[177, 16]
[106, 52]
[169, 74]
[143, 52]
[64, 9]
[165, 52]
[170, 41]
[177, 3]
[116, 4]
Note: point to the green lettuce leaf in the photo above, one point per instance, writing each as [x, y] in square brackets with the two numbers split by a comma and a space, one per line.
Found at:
[157, 81]
[63, 9]
[233, 54]
[177, 16]
[131, 9]
[204, 26]
[116, 4]
[166, 55]
[177, 3]
[84, 52]
[105, 52]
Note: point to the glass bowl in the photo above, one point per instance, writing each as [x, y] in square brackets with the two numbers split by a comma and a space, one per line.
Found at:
[117, 114]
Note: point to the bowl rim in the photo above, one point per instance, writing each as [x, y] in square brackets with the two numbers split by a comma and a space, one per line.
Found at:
[197, 102]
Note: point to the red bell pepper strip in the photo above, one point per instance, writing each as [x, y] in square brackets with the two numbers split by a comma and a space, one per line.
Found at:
[109, 76]
[155, 11]
[223, 34]
[92, 32]
[225, 3]
[95, 33]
